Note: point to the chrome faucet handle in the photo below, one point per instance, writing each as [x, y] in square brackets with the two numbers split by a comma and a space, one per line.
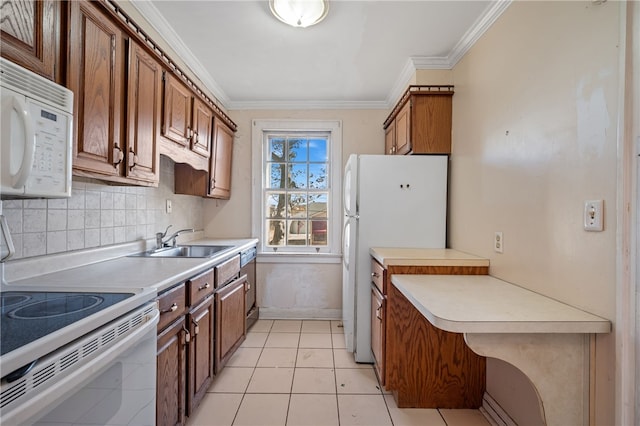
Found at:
[160, 236]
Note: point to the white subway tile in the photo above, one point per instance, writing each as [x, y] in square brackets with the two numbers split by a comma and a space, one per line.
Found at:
[106, 200]
[34, 220]
[91, 237]
[92, 219]
[119, 218]
[34, 244]
[106, 218]
[119, 234]
[92, 200]
[106, 236]
[75, 239]
[75, 219]
[56, 220]
[57, 203]
[14, 219]
[56, 241]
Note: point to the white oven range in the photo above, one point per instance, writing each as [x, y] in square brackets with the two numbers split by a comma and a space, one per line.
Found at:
[78, 356]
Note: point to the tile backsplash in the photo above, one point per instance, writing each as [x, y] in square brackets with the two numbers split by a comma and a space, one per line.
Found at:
[98, 214]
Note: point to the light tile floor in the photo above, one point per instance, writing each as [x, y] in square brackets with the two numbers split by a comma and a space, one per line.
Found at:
[290, 372]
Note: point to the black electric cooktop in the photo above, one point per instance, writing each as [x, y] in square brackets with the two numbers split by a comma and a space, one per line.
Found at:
[27, 316]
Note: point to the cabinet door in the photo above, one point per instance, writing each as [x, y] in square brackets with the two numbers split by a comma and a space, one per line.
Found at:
[403, 130]
[143, 121]
[390, 139]
[177, 100]
[378, 332]
[220, 166]
[95, 76]
[171, 375]
[31, 35]
[200, 353]
[202, 122]
[230, 320]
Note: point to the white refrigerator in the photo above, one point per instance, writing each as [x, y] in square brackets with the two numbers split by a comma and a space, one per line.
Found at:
[389, 201]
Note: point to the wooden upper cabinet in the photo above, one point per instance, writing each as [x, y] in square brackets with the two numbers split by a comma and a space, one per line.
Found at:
[96, 74]
[221, 156]
[176, 124]
[421, 122]
[30, 32]
[390, 139]
[143, 119]
[202, 122]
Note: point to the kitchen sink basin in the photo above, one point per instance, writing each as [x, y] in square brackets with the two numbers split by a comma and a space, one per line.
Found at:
[185, 251]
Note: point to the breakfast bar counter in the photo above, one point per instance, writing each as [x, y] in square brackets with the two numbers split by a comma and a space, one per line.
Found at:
[549, 341]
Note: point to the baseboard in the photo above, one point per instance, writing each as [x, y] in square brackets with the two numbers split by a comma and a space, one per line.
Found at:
[300, 313]
[492, 411]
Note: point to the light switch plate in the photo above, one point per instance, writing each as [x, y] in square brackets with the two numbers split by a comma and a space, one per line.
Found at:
[594, 215]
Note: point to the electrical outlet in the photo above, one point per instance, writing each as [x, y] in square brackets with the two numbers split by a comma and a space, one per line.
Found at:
[593, 215]
[169, 207]
[498, 242]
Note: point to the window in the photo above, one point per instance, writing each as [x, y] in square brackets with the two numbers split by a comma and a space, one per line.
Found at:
[297, 197]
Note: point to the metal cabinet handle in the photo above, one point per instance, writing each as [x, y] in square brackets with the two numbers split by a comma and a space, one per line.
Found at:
[204, 287]
[196, 329]
[133, 159]
[118, 155]
[378, 313]
[187, 335]
[375, 275]
[173, 308]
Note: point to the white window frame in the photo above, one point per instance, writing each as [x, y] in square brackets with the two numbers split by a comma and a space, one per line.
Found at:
[334, 128]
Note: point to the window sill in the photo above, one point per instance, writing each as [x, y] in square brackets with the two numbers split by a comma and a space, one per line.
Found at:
[299, 258]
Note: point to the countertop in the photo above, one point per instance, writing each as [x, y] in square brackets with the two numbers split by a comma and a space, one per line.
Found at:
[485, 304]
[123, 272]
[388, 256]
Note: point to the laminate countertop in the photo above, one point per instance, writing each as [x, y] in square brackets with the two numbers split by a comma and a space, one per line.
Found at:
[389, 256]
[485, 304]
[64, 272]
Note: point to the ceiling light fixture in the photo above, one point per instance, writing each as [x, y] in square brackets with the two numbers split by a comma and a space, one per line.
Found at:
[299, 13]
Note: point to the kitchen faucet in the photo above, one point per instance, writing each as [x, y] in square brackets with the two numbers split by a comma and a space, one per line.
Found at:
[161, 242]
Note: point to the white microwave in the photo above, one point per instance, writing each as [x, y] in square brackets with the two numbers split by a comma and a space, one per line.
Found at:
[36, 135]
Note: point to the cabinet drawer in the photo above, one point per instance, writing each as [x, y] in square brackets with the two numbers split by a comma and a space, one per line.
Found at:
[227, 270]
[377, 276]
[172, 304]
[200, 287]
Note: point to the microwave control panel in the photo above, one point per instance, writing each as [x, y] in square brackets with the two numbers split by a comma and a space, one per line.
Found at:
[51, 164]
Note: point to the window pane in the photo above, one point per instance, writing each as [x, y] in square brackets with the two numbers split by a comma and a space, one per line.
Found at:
[297, 233]
[276, 149]
[318, 205]
[275, 232]
[276, 203]
[319, 232]
[297, 204]
[298, 175]
[318, 150]
[318, 176]
[275, 175]
[298, 150]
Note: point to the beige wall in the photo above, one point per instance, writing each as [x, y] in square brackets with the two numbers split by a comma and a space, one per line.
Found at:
[534, 136]
[309, 290]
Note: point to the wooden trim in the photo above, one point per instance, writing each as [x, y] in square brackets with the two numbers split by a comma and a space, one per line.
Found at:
[417, 90]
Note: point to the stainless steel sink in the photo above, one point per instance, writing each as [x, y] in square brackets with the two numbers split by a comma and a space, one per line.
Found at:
[184, 251]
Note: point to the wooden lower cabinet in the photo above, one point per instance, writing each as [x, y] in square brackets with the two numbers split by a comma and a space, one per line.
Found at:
[200, 352]
[423, 366]
[171, 375]
[230, 320]
[428, 367]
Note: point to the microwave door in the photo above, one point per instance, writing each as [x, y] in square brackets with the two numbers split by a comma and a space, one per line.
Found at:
[18, 142]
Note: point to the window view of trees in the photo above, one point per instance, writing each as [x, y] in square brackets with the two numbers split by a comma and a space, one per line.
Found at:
[297, 189]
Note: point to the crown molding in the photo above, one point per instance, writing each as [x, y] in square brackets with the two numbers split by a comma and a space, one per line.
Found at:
[164, 28]
[480, 26]
[295, 105]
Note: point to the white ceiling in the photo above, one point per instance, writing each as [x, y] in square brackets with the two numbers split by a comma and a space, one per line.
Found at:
[361, 56]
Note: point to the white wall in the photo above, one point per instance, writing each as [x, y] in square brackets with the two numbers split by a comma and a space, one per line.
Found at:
[310, 290]
[534, 136]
